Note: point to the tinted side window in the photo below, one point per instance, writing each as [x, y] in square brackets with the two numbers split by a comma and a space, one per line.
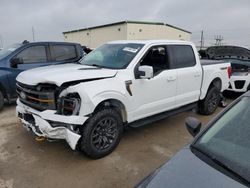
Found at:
[33, 54]
[157, 58]
[183, 56]
[64, 52]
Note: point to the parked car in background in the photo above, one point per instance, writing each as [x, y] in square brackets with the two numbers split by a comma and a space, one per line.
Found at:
[120, 83]
[239, 57]
[218, 157]
[19, 57]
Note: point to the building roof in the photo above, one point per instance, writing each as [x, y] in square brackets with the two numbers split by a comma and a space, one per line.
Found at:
[123, 22]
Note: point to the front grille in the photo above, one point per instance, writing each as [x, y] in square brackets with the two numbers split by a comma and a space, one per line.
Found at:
[239, 84]
[39, 100]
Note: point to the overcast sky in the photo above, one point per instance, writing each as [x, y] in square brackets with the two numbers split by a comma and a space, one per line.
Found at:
[228, 18]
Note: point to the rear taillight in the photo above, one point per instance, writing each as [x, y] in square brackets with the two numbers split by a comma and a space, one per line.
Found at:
[229, 71]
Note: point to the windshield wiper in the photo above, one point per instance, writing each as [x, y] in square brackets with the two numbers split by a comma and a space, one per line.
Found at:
[224, 166]
[95, 65]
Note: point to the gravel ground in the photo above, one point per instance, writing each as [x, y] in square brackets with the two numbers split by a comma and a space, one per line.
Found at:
[26, 163]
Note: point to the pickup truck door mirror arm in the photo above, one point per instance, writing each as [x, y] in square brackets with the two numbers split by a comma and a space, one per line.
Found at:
[15, 61]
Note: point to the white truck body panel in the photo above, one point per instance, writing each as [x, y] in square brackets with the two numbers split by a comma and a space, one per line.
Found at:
[59, 74]
[168, 90]
[210, 73]
[244, 78]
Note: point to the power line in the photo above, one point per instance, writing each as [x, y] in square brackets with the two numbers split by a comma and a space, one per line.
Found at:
[227, 30]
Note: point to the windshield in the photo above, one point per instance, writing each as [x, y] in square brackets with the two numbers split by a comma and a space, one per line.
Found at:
[6, 51]
[113, 56]
[228, 140]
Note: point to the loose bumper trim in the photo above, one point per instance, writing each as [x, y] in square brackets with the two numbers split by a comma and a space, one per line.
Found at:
[41, 123]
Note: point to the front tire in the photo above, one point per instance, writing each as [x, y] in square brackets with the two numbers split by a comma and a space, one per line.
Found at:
[102, 133]
[208, 105]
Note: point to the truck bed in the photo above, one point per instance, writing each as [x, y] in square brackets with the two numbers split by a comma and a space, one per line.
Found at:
[211, 62]
[213, 69]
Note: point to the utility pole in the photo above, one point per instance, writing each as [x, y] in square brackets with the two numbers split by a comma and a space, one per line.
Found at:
[33, 34]
[1, 41]
[202, 42]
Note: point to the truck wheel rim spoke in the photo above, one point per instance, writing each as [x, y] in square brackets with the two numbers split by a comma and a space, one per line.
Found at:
[104, 133]
[213, 102]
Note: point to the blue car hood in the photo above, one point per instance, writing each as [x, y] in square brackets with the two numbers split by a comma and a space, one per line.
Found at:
[185, 170]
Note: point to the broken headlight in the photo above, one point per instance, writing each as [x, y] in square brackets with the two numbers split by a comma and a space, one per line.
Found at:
[69, 104]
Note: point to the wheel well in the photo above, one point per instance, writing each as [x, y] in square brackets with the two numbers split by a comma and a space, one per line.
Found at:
[113, 103]
[216, 83]
[2, 89]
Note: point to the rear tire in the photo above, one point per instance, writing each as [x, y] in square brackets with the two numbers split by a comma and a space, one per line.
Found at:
[102, 133]
[208, 105]
[1, 100]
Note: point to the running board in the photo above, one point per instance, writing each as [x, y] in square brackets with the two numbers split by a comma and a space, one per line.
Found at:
[162, 115]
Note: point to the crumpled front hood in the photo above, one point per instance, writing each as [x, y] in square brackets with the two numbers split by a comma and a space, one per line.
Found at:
[59, 74]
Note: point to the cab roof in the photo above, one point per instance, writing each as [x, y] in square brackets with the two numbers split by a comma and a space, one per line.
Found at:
[150, 41]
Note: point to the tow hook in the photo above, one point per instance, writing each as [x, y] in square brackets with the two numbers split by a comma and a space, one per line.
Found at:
[40, 138]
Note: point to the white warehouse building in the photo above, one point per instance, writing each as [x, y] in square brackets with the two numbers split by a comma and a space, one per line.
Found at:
[126, 30]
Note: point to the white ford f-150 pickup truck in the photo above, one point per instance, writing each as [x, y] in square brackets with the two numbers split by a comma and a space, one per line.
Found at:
[121, 83]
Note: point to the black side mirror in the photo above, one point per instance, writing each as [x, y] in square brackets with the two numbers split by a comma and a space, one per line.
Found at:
[15, 61]
[193, 125]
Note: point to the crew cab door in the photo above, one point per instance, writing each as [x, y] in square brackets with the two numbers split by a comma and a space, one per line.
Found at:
[65, 53]
[155, 95]
[189, 73]
[30, 57]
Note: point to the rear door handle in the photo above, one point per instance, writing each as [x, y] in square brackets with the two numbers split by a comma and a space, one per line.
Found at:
[197, 75]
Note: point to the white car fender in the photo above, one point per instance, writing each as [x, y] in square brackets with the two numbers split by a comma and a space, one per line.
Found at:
[207, 80]
[87, 107]
[97, 99]
[93, 94]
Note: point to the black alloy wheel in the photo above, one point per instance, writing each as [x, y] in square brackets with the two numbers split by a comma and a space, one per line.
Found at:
[213, 102]
[208, 105]
[102, 133]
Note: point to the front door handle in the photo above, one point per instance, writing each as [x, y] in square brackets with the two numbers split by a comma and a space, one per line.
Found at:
[197, 75]
[171, 78]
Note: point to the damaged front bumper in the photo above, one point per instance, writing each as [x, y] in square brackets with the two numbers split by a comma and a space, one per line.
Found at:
[50, 125]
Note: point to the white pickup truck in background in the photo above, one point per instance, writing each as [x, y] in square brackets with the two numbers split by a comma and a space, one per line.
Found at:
[120, 83]
[239, 57]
